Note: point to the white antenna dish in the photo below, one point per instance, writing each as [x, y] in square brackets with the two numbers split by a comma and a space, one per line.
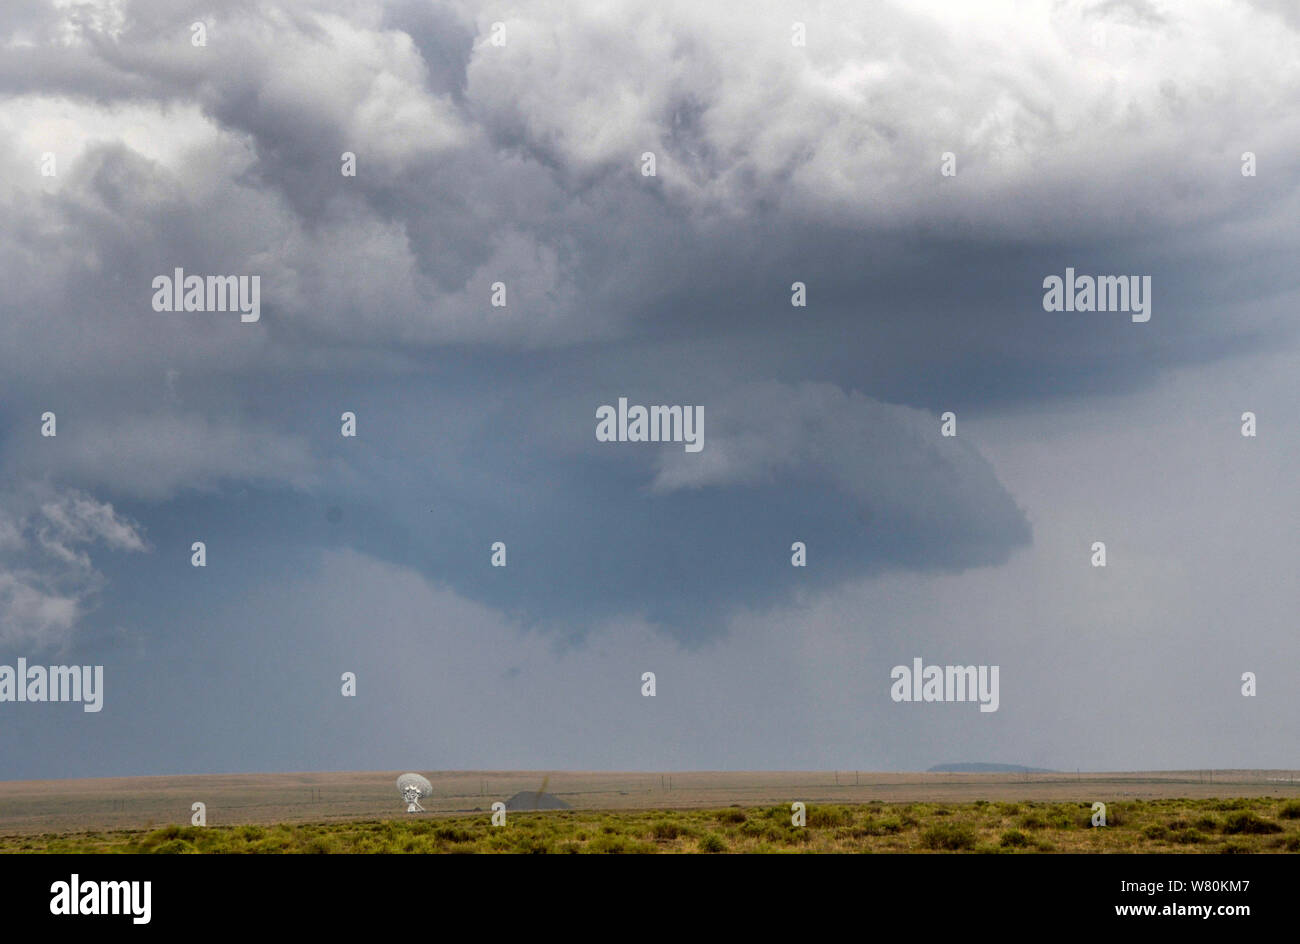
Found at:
[412, 787]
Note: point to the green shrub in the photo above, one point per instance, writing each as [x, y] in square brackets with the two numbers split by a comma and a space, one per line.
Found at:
[829, 816]
[665, 829]
[610, 845]
[175, 847]
[763, 832]
[1156, 831]
[1014, 838]
[948, 836]
[712, 842]
[532, 845]
[732, 816]
[1062, 818]
[1248, 822]
[453, 834]
[1290, 810]
[321, 845]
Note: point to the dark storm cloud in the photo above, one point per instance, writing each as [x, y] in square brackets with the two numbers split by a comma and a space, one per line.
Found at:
[521, 163]
[593, 530]
[1106, 136]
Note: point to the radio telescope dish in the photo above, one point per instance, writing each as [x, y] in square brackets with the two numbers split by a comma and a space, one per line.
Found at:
[412, 787]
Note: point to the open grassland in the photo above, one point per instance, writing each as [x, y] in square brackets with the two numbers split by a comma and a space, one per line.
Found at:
[144, 803]
[1240, 825]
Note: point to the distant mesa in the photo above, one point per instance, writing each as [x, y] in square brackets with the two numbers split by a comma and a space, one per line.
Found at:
[534, 800]
[987, 769]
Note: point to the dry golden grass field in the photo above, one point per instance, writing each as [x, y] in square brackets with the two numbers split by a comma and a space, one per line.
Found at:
[1185, 811]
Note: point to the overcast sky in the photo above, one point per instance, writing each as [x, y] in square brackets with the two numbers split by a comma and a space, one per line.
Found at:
[1104, 136]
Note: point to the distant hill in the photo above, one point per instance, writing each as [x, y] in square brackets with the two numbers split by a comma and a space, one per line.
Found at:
[987, 769]
[534, 800]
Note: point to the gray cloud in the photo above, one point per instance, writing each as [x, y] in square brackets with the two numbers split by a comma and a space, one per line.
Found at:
[1104, 136]
[47, 578]
[527, 170]
[890, 463]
